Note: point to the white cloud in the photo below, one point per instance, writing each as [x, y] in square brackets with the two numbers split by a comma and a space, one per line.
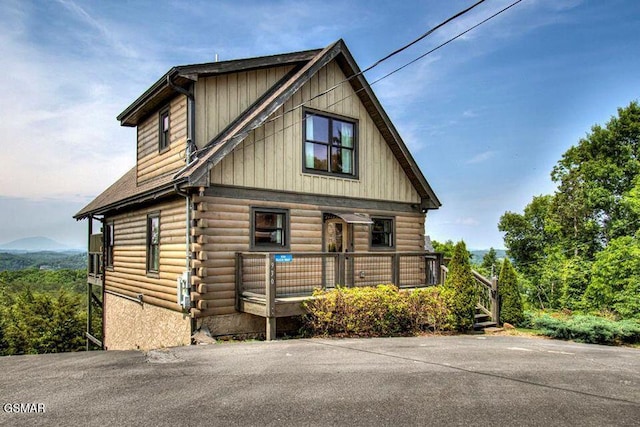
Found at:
[467, 221]
[480, 157]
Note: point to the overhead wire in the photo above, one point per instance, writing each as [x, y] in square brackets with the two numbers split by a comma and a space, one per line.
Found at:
[355, 92]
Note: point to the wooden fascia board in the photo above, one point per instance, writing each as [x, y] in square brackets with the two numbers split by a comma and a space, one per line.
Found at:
[150, 195]
[187, 73]
[193, 72]
[254, 117]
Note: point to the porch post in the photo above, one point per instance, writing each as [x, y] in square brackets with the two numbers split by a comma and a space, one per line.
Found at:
[395, 269]
[495, 300]
[342, 265]
[270, 296]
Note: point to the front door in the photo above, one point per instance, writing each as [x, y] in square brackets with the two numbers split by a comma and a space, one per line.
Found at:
[338, 238]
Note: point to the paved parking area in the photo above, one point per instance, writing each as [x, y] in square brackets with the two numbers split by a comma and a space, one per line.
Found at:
[458, 380]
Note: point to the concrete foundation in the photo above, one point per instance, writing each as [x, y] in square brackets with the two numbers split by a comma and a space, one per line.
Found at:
[131, 326]
[241, 324]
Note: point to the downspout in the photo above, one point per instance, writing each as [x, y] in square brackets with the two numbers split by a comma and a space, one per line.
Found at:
[186, 195]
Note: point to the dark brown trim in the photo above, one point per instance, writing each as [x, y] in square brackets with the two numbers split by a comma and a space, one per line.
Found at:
[327, 202]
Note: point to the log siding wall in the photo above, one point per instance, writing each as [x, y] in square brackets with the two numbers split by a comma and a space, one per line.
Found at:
[220, 99]
[271, 156]
[227, 231]
[152, 163]
[128, 275]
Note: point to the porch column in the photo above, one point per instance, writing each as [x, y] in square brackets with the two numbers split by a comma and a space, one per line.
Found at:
[270, 296]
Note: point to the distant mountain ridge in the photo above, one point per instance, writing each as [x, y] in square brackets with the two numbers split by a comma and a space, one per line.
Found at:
[35, 244]
[478, 254]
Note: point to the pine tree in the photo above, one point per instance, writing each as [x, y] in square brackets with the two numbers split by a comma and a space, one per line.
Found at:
[511, 302]
[462, 285]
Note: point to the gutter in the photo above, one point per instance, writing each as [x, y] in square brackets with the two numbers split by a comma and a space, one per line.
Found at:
[190, 149]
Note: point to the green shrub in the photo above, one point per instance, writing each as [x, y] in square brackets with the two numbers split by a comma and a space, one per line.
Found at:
[510, 299]
[376, 311]
[461, 283]
[588, 329]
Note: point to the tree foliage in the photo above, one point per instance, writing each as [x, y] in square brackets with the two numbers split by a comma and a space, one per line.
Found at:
[41, 312]
[510, 299]
[460, 282]
[563, 242]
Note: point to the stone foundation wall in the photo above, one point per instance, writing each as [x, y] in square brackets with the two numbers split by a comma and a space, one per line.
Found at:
[131, 326]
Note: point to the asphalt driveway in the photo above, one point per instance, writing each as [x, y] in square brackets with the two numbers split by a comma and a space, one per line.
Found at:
[462, 380]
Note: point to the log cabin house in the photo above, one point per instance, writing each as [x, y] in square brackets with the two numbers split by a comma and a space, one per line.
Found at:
[256, 181]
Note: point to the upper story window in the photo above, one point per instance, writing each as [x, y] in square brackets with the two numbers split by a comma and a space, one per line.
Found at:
[382, 233]
[153, 243]
[164, 130]
[330, 145]
[269, 229]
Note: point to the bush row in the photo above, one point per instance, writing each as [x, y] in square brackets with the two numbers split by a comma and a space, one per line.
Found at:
[588, 329]
[378, 311]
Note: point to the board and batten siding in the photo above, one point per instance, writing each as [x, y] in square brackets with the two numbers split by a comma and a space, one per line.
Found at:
[271, 155]
[152, 163]
[221, 99]
[227, 231]
[129, 273]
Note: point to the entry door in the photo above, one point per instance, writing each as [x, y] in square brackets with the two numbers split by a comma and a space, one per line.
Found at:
[338, 237]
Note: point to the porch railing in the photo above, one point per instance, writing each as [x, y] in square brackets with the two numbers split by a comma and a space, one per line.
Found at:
[95, 255]
[298, 274]
[487, 290]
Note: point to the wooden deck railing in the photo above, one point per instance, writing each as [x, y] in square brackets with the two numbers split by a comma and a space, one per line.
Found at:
[299, 274]
[487, 290]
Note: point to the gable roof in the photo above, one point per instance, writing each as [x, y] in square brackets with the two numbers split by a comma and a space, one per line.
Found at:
[125, 191]
[258, 113]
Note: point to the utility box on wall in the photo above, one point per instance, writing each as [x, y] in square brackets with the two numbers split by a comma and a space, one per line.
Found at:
[184, 290]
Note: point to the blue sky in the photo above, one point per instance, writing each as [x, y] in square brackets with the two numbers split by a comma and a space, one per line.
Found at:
[486, 117]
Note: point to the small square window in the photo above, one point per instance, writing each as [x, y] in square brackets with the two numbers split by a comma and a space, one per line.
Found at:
[382, 233]
[270, 229]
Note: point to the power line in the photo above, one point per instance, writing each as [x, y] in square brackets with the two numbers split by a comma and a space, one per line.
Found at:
[281, 115]
[380, 61]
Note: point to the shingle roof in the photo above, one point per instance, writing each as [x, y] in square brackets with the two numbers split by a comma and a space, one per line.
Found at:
[125, 191]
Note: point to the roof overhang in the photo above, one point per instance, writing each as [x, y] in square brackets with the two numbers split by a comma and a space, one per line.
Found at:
[349, 218]
[161, 92]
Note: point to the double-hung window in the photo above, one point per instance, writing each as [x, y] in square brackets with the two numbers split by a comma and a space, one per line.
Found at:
[270, 229]
[109, 236]
[330, 145]
[164, 130]
[153, 243]
[382, 233]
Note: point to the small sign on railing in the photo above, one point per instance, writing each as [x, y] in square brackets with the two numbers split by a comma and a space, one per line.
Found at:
[283, 257]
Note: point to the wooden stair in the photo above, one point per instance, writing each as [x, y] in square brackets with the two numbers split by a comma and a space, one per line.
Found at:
[483, 320]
